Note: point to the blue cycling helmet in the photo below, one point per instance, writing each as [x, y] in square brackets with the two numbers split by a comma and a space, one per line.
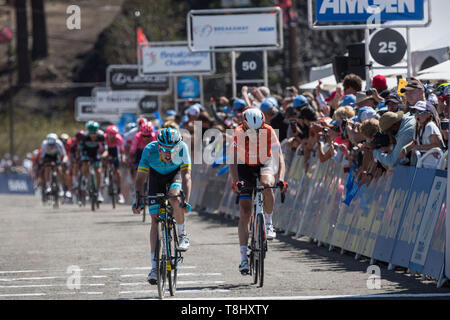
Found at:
[168, 139]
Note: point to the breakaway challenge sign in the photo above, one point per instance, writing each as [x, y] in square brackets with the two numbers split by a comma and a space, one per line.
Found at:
[176, 59]
[362, 10]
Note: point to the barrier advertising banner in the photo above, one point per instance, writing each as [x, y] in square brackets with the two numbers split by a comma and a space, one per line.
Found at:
[436, 254]
[363, 10]
[16, 183]
[432, 211]
[414, 210]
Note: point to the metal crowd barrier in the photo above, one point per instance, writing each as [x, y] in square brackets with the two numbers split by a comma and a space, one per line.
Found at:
[398, 219]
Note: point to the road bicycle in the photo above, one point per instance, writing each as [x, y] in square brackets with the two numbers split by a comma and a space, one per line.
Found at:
[92, 189]
[167, 256]
[53, 195]
[258, 241]
[112, 186]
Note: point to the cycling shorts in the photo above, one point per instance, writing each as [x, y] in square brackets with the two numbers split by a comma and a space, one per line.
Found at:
[248, 175]
[92, 157]
[48, 158]
[114, 154]
[159, 183]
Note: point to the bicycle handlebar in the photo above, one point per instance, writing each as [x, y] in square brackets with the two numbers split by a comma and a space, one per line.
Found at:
[279, 185]
[161, 197]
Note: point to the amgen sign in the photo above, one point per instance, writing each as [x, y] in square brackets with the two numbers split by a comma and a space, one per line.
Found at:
[362, 10]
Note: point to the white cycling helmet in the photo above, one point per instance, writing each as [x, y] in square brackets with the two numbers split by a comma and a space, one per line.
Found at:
[253, 118]
[51, 138]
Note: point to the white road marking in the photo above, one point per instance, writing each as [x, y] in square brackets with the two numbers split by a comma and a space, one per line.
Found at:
[371, 296]
[140, 268]
[30, 278]
[178, 282]
[51, 285]
[179, 274]
[179, 290]
[21, 271]
[47, 278]
[23, 295]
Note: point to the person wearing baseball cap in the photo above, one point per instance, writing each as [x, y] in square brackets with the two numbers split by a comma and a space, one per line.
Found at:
[414, 91]
[239, 105]
[401, 129]
[274, 117]
[349, 100]
[392, 101]
[300, 101]
[379, 82]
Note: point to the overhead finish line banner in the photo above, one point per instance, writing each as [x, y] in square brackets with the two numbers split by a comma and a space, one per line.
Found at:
[363, 10]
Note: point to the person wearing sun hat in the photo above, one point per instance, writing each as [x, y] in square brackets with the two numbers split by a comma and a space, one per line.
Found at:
[427, 134]
[400, 128]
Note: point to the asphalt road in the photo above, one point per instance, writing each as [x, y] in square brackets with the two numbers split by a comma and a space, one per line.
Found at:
[73, 253]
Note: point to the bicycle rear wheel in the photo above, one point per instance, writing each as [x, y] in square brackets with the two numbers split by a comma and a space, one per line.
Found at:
[55, 191]
[160, 256]
[112, 189]
[261, 247]
[92, 192]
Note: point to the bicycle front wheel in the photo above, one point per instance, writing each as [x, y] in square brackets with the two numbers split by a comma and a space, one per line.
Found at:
[161, 259]
[173, 254]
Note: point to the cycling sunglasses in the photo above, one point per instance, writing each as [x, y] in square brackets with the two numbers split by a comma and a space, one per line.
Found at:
[167, 149]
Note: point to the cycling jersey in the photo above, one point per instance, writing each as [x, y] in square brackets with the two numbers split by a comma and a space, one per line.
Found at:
[151, 159]
[129, 136]
[90, 149]
[86, 143]
[259, 151]
[54, 151]
[139, 143]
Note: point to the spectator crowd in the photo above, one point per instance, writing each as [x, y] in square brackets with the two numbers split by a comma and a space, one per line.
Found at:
[372, 131]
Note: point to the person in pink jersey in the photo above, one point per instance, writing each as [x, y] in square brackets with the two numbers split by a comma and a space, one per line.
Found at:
[146, 135]
[114, 142]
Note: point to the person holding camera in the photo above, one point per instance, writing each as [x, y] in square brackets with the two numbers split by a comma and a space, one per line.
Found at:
[400, 129]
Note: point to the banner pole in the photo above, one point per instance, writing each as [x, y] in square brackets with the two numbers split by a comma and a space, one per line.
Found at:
[233, 73]
[408, 52]
[367, 55]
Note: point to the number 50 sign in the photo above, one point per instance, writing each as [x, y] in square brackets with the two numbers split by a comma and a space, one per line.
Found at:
[387, 47]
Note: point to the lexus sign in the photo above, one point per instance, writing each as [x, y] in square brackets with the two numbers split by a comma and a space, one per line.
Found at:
[126, 77]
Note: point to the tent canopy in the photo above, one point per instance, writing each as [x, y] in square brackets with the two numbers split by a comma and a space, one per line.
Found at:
[438, 72]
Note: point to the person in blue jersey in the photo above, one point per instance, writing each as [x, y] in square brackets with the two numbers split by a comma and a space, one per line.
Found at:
[168, 164]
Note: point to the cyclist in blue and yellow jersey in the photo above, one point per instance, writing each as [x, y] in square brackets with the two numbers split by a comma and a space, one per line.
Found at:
[167, 163]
